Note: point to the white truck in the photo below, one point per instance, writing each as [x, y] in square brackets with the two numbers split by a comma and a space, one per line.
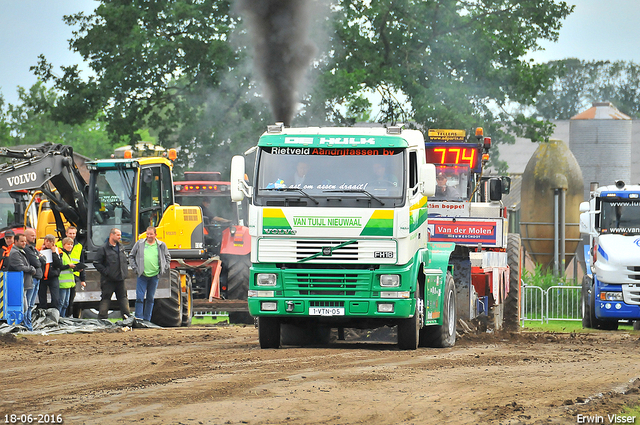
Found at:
[339, 238]
[611, 287]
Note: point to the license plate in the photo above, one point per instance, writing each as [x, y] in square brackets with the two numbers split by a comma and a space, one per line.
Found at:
[326, 311]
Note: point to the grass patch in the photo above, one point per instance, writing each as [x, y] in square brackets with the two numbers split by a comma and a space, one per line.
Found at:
[196, 320]
[633, 410]
[209, 320]
[565, 326]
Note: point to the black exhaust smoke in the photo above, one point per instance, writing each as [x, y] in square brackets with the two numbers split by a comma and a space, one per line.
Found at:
[279, 30]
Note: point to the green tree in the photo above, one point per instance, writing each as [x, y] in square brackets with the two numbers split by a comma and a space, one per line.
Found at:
[459, 64]
[168, 66]
[181, 69]
[5, 129]
[577, 84]
[30, 122]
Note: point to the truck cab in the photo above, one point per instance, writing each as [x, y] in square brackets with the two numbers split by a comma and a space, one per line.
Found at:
[338, 225]
[611, 288]
[467, 209]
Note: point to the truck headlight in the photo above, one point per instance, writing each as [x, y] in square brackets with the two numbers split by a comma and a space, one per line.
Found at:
[385, 308]
[389, 280]
[401, 294]
[267, 294]
[611, 296]
[269, 306]
[266, 279]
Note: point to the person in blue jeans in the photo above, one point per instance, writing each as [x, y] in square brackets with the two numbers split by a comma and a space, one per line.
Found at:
[149, 258]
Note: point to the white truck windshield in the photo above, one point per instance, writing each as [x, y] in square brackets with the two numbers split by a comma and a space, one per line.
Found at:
[373, 173]
[621, 216]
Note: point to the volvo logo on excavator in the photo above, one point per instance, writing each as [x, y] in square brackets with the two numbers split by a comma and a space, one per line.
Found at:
[21, 179]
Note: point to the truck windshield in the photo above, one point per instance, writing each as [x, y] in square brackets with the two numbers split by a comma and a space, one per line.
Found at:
[621, 216]
[112, 200]
[452, 182]
[7, 211]
[355, 177]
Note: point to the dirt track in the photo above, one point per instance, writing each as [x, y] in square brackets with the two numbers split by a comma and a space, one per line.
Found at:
[218, 375]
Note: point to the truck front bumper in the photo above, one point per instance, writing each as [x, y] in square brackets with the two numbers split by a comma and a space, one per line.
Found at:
[332, 308]
[616, 310]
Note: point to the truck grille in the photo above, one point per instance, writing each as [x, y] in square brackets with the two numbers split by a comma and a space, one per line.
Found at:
[322, 284]
[280, 250]
[326, 303]
[635, 275]
[631, 294]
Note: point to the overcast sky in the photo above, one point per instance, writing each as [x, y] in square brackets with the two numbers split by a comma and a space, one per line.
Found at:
[598, 29]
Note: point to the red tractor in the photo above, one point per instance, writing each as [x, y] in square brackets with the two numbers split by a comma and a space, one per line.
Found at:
[222, 282]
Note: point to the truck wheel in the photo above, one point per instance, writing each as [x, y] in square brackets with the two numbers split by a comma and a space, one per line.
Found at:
[187, 303]
[586, 306]
[409, 331]
[269, 332]
[444, 335]
[511, 319]
[237, 276]
[167, 312]
[636, 325]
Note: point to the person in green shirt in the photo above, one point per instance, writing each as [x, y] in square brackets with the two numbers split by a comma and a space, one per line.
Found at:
[149, 258]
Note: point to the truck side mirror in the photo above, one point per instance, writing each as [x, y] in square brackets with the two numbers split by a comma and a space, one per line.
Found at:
[584, 207]
[495, 189]
[427, 179]
[237, 178]
[585, 221]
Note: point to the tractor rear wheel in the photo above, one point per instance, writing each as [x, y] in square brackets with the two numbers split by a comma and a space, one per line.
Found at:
[237, 268]
[511, 319]
[187, 303]
[167, 312]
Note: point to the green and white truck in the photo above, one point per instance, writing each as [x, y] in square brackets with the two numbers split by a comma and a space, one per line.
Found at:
[339, 237]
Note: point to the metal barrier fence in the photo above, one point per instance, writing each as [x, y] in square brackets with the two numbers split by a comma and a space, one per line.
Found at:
[556, 303]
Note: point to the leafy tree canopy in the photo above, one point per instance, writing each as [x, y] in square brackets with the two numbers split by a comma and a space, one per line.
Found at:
[181, 69]
[577, 84]
[30, 122]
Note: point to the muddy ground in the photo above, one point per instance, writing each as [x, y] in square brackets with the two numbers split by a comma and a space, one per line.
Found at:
[219, 375]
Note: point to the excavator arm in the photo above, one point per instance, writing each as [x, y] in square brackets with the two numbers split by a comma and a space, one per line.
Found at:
[51, 169]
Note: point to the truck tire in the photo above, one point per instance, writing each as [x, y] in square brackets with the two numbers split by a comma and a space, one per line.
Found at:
[237, 267]
[511, 319]
[167, 312]
[586, 305]
[187, 303]
[444, 335]
[636, 325]
[269, 332]
[409, 331]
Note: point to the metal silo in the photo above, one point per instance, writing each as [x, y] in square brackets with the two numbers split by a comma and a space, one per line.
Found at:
[600, 139]
[549, 209]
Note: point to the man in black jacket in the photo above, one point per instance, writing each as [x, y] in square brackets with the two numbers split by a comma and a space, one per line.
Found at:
[38, 262]
[19, 262]
[111, 262]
